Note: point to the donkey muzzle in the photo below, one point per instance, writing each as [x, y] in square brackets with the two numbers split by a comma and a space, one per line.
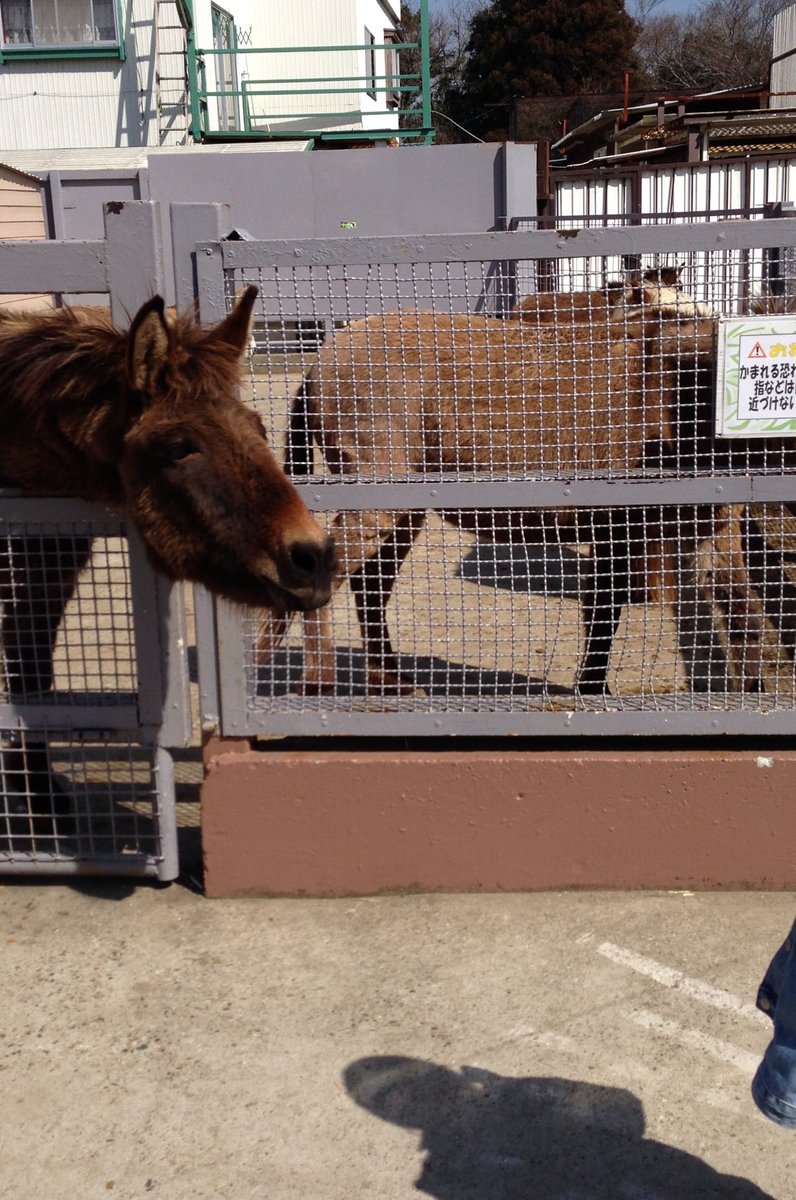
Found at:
[307, 572]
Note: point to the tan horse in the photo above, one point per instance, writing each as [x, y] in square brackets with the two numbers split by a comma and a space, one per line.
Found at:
[652, 293]
[415, 392]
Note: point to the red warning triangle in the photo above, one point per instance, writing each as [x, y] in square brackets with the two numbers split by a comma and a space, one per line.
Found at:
[757, 351]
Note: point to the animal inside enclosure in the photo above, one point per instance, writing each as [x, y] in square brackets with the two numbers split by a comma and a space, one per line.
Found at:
[534, 518]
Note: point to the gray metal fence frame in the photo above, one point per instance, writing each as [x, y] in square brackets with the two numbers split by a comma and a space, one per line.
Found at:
[219, 625]
[127, 265]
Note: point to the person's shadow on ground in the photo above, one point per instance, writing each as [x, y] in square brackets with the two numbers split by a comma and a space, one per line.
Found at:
[489, 1137]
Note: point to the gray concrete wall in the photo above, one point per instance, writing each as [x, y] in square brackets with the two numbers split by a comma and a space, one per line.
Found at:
[414, 189]
[343, 193]
[351, 193]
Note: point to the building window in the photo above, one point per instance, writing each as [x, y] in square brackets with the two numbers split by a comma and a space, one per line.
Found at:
[226, 67]
[370, 63]
[391, 69]
[69, 25]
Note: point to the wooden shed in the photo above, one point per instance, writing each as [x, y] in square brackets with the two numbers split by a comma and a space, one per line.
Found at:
[22, 215]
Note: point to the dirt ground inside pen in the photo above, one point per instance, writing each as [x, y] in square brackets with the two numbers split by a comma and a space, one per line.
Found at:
[495, 1047]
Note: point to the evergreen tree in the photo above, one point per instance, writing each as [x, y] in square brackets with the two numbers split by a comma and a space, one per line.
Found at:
[540, 49]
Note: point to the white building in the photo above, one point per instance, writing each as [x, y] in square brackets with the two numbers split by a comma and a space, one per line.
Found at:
[92, 73]
[782, 80]
[335, 89]
[85, 73]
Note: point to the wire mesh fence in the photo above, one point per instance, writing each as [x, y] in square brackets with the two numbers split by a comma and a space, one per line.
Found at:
[532, 510]
[67, 581]
[93, 662]
[83, 785]
[71, 801]
[476, 622]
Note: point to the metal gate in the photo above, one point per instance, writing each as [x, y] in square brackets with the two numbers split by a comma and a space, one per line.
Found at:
[86, 773]
[514, 497]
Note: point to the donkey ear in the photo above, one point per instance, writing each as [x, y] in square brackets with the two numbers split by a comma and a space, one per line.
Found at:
[236, 329]
[148, 345]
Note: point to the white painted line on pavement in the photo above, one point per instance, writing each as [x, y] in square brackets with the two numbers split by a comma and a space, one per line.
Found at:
[695, 989]
[694, 1039]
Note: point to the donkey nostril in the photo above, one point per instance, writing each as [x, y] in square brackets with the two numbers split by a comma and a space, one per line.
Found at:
[304, 558]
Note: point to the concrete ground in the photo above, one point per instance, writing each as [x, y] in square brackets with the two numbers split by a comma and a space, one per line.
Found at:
[573, 1046]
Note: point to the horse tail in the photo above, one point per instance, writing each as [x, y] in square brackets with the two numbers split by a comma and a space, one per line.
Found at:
[298, 450]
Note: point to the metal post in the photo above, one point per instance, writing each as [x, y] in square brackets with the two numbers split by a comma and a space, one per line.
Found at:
[134, 256]
[425, 70]
[191, 224]
[193, 86]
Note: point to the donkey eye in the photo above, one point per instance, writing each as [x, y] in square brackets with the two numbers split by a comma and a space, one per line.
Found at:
[176, 451]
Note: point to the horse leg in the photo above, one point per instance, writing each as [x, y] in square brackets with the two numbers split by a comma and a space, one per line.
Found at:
[360, 540]
[743, 608]
[38, 578]
[608, 592]
[768, 568]
[372, 584]
[711, 570]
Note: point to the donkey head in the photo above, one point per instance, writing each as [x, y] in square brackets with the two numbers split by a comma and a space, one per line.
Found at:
[201, 484]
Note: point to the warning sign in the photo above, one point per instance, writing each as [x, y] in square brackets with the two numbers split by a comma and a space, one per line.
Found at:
[756, 378]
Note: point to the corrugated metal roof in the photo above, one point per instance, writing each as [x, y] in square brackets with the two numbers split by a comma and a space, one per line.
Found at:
[129, 158]
[25, 174]
[609, 114]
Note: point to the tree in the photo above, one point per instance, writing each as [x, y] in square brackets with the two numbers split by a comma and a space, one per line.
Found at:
[724, 44]
[540, 50]
[448, 34]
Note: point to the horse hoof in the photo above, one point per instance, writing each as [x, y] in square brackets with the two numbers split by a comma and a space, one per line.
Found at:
[754, 687]
[317, 687]
[393, 683]
[592, 687]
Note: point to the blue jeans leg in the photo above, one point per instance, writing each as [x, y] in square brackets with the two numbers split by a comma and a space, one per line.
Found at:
[774, 1085]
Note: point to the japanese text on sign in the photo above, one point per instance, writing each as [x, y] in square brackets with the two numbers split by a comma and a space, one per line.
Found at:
[766, 376]
[756, 376]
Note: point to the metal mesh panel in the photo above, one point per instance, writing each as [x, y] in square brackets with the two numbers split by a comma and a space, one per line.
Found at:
[475, 622]
[587, 383]
[70, 583]
[464, 440]
[79, 789]
[69, 804]
[724, 282]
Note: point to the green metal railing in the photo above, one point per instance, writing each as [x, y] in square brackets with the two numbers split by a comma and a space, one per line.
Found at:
[252, 108]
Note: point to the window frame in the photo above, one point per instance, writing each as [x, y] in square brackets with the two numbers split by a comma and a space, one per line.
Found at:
[392, 69]
[115, 49]
[370, 64]
[228, 100]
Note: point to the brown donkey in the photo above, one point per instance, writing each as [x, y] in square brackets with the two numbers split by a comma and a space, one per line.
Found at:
[414, 392]
[150, 421]
[656, 290]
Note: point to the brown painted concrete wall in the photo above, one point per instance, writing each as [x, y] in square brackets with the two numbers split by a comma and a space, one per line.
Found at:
[335, 822]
